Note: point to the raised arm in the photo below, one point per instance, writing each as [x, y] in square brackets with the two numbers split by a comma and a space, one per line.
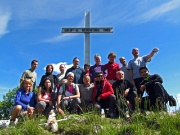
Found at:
[155, 50]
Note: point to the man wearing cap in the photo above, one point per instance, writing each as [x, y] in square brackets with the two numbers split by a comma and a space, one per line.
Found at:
[135, 64]
[78, 72]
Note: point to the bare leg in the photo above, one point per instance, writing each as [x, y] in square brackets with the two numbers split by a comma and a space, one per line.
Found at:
[39, 110]
[15, 112]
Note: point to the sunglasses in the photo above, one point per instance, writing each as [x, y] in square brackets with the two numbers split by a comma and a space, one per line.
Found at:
[100, 76]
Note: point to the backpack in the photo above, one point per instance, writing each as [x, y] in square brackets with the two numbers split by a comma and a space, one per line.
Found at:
[64, 88]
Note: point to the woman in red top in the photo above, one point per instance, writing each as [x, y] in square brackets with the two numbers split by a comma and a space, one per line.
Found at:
[112, 68]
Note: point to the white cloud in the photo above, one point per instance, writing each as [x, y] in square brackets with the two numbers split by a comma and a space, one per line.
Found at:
[178, 98]
[115, 13]
[56, 66]
[61, 37]
[4, 19]
[161, 10]
[177, 107]
[48, 10]
[2, 88]
[178, 102]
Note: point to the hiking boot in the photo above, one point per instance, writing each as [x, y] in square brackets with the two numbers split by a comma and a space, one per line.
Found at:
[172, 101]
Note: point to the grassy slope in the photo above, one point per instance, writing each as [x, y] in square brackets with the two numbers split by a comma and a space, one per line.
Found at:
[90, 124]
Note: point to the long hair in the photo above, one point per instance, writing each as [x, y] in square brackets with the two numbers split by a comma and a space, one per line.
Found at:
[43, 91]
[26, 80]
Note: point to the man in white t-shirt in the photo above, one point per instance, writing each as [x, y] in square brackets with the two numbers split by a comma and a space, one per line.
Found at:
[61, 76]
[30, 73]
[124, 68]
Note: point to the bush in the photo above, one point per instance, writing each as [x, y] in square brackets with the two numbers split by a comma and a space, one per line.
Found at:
[7, 103]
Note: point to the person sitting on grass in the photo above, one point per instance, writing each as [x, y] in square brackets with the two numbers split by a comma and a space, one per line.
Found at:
[157, 95]
[24, 101]
[52, 78]
[68, 96]
[125, 92]
[86, 91]
[103, 95]
[44, 97]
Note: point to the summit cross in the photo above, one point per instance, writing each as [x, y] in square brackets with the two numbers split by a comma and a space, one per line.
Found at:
[87, 30]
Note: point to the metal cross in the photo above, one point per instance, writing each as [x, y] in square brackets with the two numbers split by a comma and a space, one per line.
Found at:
[87, 30]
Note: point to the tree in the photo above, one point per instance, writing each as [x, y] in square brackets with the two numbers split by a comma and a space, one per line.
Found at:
[7, 103]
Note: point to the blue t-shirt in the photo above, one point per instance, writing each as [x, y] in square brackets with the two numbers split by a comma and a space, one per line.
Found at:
[24, 99]
[78, 74]
[95, 69]
[136, 64]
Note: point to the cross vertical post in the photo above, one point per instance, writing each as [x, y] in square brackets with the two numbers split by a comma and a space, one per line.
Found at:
[87, 39]
[87, 30]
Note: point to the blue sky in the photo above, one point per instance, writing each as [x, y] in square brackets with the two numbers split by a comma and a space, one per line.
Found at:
[31, 30]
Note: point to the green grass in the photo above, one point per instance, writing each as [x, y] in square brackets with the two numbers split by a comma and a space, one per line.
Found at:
[158, 123]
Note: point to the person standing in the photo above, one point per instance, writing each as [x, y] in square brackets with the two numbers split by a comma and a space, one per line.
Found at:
[53, 78]
[86, 68]
[112, 68]
[135, 64]
[97, 67]
[60, 77]
[30, 73]
[124, 68]
[78, 72]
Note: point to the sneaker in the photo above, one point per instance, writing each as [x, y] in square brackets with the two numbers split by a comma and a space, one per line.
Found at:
[110, 115]
[172, 101]
[102, 113]
[14, 122]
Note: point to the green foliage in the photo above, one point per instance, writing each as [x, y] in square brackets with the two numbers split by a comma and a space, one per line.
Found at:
[7, 103]
[27, 127]
[159, 123]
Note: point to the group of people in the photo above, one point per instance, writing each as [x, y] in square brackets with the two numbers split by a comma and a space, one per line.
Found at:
[93, 88]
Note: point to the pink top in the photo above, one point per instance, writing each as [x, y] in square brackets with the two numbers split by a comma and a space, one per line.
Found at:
[46, 96]
[69, 88]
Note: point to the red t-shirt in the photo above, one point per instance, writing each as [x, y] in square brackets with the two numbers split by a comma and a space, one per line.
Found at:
[112, 68]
